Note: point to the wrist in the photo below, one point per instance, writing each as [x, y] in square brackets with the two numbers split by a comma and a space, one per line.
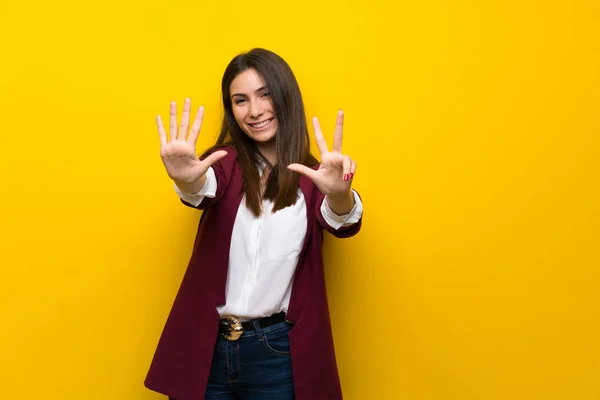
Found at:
[191, 187]
[340, 204]
[340, 196]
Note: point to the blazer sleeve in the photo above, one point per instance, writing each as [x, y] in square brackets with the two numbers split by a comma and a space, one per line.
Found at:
[223, 170]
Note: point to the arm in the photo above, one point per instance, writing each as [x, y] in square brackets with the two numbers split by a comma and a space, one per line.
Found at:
[340, 226]
[208, 189]
[337, 203]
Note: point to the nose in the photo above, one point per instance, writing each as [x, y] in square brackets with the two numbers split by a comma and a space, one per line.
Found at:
[255, 109]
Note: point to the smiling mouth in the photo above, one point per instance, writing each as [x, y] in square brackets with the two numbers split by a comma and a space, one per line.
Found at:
[260, 125]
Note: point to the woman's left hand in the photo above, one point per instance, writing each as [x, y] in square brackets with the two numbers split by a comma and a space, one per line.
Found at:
[335, 174]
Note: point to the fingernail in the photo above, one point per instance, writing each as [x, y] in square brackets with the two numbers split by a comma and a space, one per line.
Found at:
[350, 175]
[345, 177]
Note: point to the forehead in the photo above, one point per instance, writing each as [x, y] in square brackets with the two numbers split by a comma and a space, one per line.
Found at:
[246, 82]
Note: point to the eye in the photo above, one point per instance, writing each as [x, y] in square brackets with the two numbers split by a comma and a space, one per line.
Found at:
[266, 94]
[239, 101]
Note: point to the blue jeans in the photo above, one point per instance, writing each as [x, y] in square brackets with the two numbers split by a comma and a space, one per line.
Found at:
[255, 367]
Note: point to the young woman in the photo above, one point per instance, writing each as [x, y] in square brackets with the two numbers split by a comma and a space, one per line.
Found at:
[251, 320]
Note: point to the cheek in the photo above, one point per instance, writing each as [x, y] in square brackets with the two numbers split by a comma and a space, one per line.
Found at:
[238, 115]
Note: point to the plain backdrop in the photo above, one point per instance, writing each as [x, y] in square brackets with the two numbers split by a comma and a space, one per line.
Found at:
[475, 127]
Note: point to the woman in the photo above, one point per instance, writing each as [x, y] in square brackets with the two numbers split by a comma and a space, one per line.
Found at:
[251, 320]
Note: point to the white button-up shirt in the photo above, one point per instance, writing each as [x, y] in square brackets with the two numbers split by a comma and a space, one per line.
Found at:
[265, 250]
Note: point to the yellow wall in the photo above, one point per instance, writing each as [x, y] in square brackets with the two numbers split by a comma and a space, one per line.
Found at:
[475, 125]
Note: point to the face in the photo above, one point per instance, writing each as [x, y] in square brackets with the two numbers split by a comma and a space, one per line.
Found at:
[252, 108]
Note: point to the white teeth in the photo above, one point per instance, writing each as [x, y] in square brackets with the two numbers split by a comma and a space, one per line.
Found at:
[260, 125]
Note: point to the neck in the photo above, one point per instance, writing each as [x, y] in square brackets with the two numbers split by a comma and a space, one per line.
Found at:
[268, 151]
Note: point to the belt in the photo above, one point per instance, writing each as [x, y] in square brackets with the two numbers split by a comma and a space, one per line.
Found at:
[232, 327]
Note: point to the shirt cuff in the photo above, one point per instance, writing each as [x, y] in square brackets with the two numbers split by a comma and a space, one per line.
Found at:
[208, 190]
[339, 221]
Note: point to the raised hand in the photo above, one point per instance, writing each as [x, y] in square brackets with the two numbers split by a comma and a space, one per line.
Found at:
[334, 176]
[179, 153]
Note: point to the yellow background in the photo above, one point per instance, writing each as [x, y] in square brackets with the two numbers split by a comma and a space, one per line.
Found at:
[475, 127]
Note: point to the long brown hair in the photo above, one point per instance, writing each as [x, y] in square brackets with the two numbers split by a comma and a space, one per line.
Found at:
[291, 140]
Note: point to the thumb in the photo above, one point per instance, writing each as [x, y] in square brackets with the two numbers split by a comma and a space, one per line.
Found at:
[214, 157]
[303, 169]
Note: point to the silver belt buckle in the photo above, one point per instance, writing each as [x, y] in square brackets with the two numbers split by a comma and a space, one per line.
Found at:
[230, 327]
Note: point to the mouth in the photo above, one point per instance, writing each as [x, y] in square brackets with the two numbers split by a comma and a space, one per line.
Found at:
[261, 125]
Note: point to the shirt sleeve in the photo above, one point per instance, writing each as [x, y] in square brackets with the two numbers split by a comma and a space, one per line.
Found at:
[208, 190]
[339, 221]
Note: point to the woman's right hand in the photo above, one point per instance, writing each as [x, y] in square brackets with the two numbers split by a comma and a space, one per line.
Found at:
[179, 153]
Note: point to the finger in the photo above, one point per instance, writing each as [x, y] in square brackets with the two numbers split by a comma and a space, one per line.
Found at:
[185, 120]
[161, 132]
[321, 144]
[197, 126]
[304, 170]
[339, 130]
[214, 157]
[352, 170]
[347, 163]
[173, 121]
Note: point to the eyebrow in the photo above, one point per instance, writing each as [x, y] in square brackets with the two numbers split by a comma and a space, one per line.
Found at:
[256, 91]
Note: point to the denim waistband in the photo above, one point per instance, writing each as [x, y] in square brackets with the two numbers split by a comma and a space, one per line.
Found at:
[271, 328]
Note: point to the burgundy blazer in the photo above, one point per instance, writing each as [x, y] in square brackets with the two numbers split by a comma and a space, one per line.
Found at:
[182, 361]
